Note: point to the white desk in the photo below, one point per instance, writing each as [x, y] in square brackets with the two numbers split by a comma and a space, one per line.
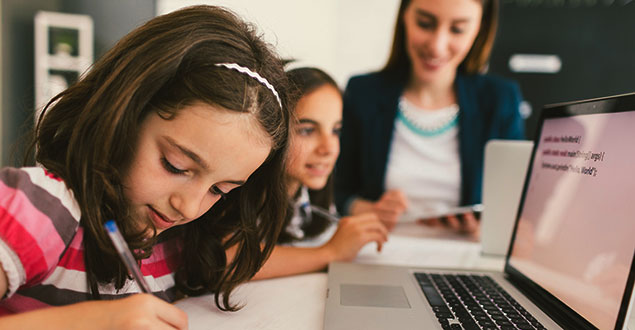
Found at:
[297, 302]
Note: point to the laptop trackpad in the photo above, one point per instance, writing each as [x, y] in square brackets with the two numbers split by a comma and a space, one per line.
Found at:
[373, 296]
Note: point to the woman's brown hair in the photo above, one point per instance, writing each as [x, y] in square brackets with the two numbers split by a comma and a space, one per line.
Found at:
[88, 133]
[303, 81]
[476, 59]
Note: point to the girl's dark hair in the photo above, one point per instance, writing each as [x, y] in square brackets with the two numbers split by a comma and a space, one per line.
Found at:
[476, 60]
[87, 136]
[304, 81]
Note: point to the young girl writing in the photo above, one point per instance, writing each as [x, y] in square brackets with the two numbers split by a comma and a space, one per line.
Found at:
[184, 113]
[311, 240]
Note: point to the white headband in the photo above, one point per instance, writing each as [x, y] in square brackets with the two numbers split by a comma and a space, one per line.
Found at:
[254, 75]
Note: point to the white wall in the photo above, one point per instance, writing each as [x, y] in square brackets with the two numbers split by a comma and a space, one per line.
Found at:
[342, 37]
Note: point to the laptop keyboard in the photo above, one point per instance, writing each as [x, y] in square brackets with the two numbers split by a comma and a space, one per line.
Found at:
[473, 302]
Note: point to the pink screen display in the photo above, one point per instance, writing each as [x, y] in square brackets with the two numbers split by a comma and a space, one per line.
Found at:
[576, 233]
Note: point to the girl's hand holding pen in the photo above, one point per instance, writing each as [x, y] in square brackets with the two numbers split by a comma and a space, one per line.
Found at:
[353, 232]
[145, 311]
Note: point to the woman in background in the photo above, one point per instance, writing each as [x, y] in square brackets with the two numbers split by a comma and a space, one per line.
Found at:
[414, 133]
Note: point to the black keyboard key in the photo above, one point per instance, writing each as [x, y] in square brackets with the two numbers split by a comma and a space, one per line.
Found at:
[441, 309]
[422, 277]
[470, 326]
[432, 295]
[444, 316]
[487, 324]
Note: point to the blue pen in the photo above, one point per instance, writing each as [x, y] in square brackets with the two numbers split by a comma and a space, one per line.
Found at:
[126, 256]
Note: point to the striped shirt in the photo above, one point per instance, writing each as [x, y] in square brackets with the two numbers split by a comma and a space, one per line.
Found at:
[41, 248]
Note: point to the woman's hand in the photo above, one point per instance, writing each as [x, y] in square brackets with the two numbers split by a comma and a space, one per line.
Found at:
[390, 206]
[353, 233]
[465, 223]
[139, 311]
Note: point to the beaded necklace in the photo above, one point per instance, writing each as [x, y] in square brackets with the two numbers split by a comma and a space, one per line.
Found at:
[427, 124]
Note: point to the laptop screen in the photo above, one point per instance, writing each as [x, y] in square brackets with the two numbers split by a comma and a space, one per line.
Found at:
[575, 235]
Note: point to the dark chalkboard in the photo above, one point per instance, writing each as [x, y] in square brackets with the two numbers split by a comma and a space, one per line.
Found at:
[593, 39]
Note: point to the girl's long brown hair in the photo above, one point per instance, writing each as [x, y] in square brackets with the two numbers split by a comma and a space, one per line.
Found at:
[87, 136]
[398, 63]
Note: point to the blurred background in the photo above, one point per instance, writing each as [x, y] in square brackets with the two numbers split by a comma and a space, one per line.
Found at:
[558, 50]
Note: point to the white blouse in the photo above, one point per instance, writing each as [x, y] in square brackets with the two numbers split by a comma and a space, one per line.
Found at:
[424, 159]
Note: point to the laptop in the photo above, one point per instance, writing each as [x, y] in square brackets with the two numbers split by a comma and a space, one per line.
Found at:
[570, 263]
[504, 172]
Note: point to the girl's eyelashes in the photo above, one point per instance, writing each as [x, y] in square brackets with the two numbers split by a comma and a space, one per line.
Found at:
[171, 168]
[426, 25]
[305, 130]
[337, 131]
[430, 25]
[457, 30]
[174, 170]
[217, 191]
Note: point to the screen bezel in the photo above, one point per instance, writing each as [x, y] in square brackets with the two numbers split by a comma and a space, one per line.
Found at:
[560, 312]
